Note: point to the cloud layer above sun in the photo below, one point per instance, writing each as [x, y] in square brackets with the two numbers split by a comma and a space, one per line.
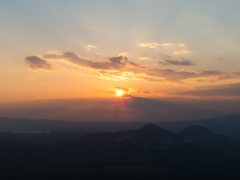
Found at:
[121, 68]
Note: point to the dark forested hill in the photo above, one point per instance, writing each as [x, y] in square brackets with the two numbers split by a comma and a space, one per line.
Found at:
[148, 152]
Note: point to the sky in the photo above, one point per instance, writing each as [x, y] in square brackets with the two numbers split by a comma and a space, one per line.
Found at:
[171, 59]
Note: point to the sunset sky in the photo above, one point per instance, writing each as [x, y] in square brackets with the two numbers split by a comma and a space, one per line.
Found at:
[154, 51]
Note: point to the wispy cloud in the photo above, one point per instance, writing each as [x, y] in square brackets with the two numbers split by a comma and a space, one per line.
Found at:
[149, 44]
[179, 63]
[173, 44]
[168, 44]
[145, 59]
[221, 90]
[168, 61]
[122, 88]
[181, 45]
[131, 90]
[89, 47]
[182, 51]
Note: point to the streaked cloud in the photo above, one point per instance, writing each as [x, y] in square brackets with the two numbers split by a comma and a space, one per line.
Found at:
[132, 90]
[168, 61]
[122, 88]
[182, 51]
[221, 90]
[179, 63]
[120, 68]
[149, 44]
[168, 44]
[37, 63]
[181, 45]
[145, 59]
[89, 47]
[113, 63]
[173, 44]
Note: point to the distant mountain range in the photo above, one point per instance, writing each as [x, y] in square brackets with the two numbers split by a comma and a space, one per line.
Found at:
[191, 143]
[149, 147]
[226, 125]
[152, 138]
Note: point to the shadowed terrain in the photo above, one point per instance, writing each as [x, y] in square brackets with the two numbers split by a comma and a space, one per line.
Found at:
[148, 152]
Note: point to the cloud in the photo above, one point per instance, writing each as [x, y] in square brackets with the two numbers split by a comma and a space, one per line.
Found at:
[131, 90]
[182, 51]
[165, 56]
[168, 61]
[176, 76]
[181, 45]
[236, 73]
[145, 59]
[120, 68]
[173, 44]
[89, 47]
[116, 60]
[113, 63]
[221, 90]
[168, 44]
[147, 92]
[122, 88]
[37, 63]
[149, 44]
[179, 63]
[124, 55]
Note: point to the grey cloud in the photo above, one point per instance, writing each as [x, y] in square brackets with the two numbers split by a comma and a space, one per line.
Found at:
[176, 76]
[73, 58]
[146, 92]
[168, 61]
[165, 56]
[137, 65]
[170, 74]
[236, 73]
[116, 59]
[222, 90]
[210, 73]
[179, 63]
[113, 64]
[37, 63]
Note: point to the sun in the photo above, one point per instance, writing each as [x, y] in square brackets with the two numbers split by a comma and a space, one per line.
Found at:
[119, 92]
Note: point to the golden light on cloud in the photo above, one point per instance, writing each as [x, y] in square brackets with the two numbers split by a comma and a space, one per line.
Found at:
[182, 51]
[149, 44]
[119, 92]
[181, 45]
[145, 58]
[89, 47]
[168, 44]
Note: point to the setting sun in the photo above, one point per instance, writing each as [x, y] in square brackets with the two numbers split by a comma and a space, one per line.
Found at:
[119, 92]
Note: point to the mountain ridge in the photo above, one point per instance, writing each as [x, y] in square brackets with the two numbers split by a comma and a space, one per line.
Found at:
[226, 125]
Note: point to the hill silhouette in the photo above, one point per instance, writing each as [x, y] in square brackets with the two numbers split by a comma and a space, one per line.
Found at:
[151, 151]
[226, 125]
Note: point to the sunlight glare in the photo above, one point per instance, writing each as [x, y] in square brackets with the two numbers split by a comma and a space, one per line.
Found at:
[119, 92]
